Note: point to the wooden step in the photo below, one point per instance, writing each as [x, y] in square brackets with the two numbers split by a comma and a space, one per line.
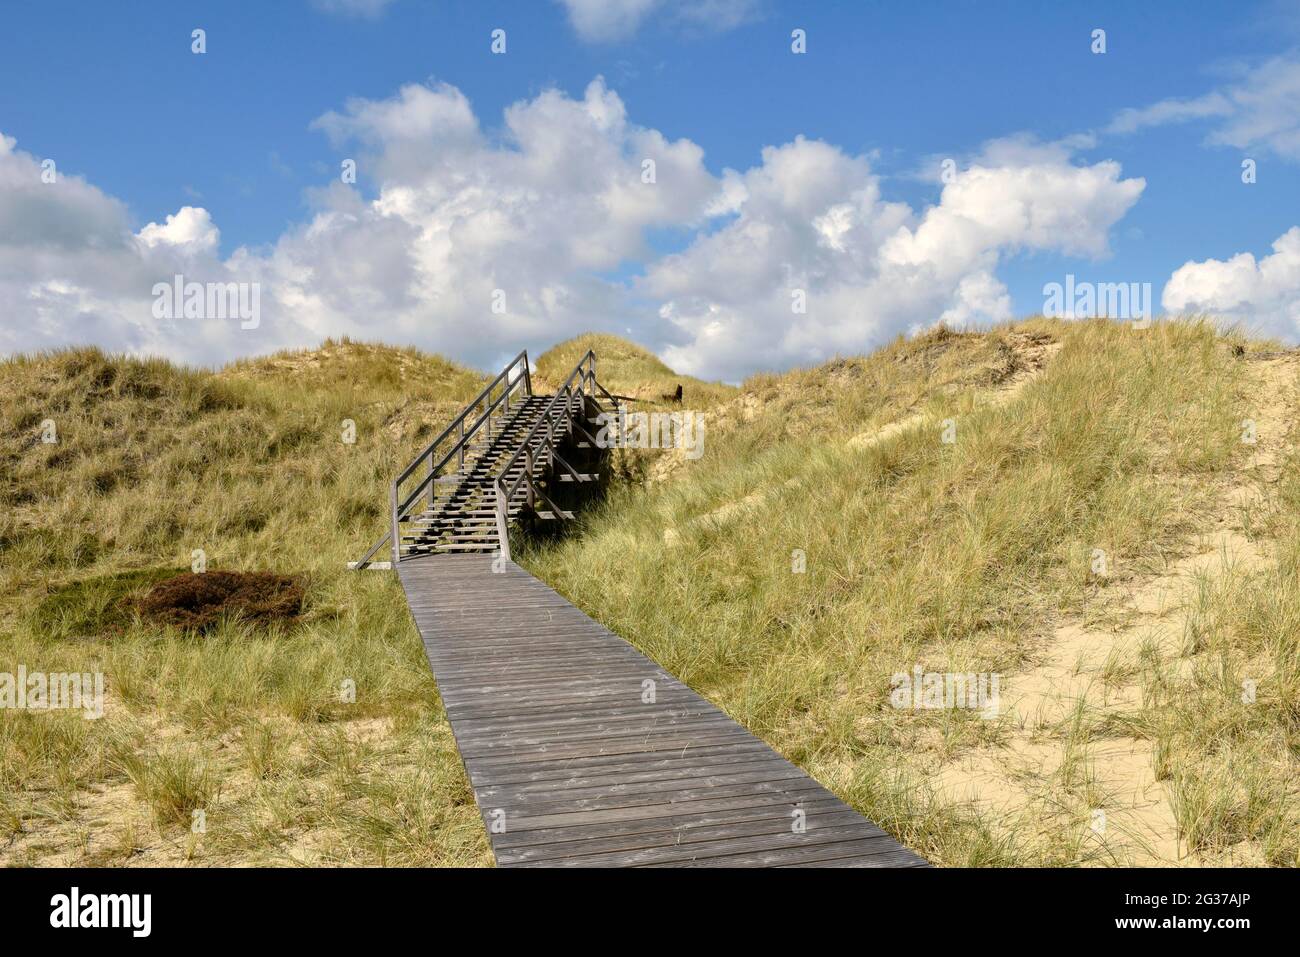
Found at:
[479, 510]
[438, 543]
[459, 522]
[457, 518]
[463, 523]
[478, 522]
[550, 516]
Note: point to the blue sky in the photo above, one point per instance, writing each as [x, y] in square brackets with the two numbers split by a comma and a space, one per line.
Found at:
[115, 95]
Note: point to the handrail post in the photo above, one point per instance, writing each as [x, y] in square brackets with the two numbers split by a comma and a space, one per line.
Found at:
[432, 484]
[397, 547]
[503, 532]
[531, 464]
[400, 510]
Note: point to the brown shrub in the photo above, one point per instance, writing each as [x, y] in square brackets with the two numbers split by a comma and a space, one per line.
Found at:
[197, 602]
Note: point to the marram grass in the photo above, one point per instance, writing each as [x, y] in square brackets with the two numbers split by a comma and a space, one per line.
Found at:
[917, 551]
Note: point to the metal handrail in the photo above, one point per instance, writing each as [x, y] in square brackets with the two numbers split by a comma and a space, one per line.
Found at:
[400, 511]
[460, 443]
[544, 419]
[585, 372]
[523, 356]
[539, 437]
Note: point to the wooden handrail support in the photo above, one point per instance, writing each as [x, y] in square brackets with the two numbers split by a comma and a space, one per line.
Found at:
[580, 388]
[516, 376]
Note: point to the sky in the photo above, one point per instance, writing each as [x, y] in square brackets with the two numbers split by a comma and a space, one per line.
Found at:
[739, 185]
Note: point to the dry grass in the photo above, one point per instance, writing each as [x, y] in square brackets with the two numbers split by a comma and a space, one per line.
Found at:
[627, 370]
[247, 722]
[1227, 703]
[957, 557]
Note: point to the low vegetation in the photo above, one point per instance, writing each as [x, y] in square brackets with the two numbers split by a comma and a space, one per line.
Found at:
[830, 537]
[817, 550]
[307, 727]
[628, 370]
[197, 601]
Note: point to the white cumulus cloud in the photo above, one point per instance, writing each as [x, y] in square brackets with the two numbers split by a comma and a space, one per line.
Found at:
[72, 272]
[1263, 294]
[556, 214]
[191, 229]
[816, 262]
[530, 218]
[539, 214]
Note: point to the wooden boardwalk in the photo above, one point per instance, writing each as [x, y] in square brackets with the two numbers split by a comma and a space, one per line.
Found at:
[573, 765]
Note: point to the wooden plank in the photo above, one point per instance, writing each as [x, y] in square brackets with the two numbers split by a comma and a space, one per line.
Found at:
[870, 852]
[677, 826]
[719, 756]
[656, 812]
[563, 749]
[729, 843]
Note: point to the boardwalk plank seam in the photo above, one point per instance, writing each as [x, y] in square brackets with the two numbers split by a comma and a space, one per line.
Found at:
[571, 767]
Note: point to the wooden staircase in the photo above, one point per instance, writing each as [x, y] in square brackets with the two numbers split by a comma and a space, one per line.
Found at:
[466, 520]
[497, 463]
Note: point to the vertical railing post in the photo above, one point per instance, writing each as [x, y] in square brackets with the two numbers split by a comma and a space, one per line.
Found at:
[530, 464]
[536, 456]
[503, 532]
[397, 547]
[432, 484]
